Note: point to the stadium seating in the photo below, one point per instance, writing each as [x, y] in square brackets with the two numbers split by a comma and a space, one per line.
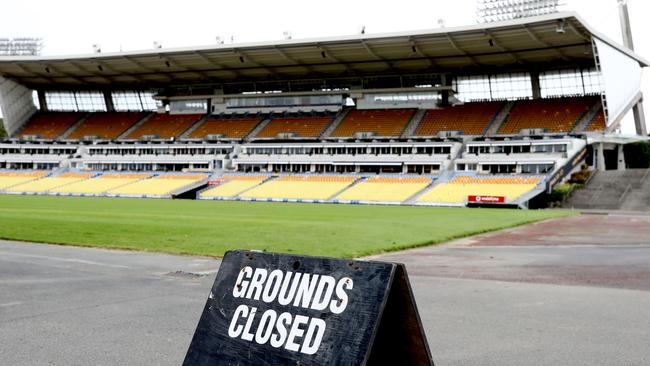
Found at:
[381, 122]
[385, 189]
[10, 179]
[470, 118]
[232, 185]
[235, 128]
[553, 115]
[50, 125]
[300, 126]
[598, 123]
[161, 185]
[165, 125]
[459, 188]
[49, 183]
[305, 187]
[100, 184]
[107, 125]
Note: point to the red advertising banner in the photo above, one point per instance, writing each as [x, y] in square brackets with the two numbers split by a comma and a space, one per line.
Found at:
[486, 199]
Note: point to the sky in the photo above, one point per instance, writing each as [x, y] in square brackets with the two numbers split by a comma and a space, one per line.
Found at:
[73, 26]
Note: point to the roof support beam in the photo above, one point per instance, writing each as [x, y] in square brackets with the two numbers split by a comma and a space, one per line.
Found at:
[215, 64]
[292, 60]
[418, 51]
[169, 62]
[494, 42]
[460, 50]
[535, 38]
[150, 70]
[376, 56]
[326, 53]
[66, 74]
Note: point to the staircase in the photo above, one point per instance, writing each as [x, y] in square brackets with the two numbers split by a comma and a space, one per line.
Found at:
[193, 127]
[357, 181]
[260, 126]
[498, 120]
[135, 126]
[413, 124]
[67, 132]
[585, 120]
[411, 200]
[335, 123]
[627, 190]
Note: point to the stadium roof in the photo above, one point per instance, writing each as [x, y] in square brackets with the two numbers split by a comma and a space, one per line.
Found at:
[544, 42]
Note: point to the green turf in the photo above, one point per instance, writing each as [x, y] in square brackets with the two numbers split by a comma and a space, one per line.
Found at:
[211, 228]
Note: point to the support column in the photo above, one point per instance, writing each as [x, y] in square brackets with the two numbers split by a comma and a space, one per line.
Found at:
[534, 83]
[42, 101]
[639, 119]
[621, 158]
[600, 163]
[108, 99]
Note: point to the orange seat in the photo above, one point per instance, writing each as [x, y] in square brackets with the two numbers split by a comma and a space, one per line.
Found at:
[235, 128]
[381, 122]
[301, 126]
[554, 115]
[165, 125]
[106, 125]
[470, 118]
[50, 125]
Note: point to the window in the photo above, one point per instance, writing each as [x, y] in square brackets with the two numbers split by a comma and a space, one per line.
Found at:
[511, 86]
[61, 101]
[472, 88]
[91, 101]
[134, 101]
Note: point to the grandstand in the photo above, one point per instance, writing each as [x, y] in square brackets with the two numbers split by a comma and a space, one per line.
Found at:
[233, 128]
[384, 123]
[303, 127]
[229, 186]
[165, 185]
[99, 185]
[49, 183]
[384, 189]
[106, 126]
[473, 118]
[457, 190]
[10, 179]
[505, 109]
[164, 126]
[48, 125]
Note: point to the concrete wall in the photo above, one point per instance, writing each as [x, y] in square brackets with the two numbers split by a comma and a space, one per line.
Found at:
[16, 103]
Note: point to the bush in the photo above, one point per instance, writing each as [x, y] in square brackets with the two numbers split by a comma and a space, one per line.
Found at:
[580, 177]
[637, 155]
[3, 133]
[560, 191]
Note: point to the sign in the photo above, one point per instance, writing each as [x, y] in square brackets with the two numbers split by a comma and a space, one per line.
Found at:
[279, 309]
[486, 199]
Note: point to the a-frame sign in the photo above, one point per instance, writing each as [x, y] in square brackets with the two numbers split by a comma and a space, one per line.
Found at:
[278, 309]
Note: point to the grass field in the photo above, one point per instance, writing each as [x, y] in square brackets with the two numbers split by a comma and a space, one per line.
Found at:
[211, 228]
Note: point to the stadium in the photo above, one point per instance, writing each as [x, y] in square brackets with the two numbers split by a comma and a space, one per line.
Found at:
[346, 146]
[422, 118]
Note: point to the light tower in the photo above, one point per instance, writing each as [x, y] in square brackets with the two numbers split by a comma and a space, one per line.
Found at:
[498, 10]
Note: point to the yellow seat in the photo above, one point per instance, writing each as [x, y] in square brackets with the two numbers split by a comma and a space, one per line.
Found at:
[458, 189]
[300, 187]
[380, 189]
[100, 184]
[156, 186]
[10, 179]
[49, 183]
[232, 186]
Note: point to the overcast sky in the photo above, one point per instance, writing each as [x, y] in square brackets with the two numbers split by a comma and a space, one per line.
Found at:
[73, 26]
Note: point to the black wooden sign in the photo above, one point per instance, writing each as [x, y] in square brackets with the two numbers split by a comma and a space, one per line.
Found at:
[278, 309]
